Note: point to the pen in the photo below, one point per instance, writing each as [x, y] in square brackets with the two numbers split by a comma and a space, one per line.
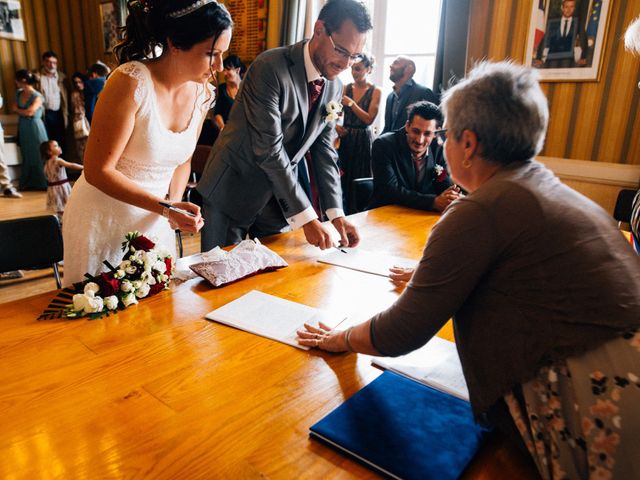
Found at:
[176, 209]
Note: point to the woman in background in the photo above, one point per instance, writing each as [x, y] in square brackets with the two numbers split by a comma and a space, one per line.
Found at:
[233, 70]
[144, 131]
[79, 120]
[361, 102]
[31, 131]
[543, 290]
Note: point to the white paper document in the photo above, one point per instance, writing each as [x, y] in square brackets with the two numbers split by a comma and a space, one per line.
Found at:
[377, 263]
[437, 364]
[272, 317]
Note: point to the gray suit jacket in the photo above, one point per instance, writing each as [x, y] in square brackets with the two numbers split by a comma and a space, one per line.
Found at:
[268, 133]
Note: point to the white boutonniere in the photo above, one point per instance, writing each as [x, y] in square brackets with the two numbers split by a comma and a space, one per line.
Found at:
[439, 170]
[333, 109]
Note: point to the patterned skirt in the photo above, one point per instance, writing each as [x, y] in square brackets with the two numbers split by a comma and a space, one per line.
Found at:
[581, 419]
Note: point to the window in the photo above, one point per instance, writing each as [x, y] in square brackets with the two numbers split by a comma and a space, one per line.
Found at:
[401, 27]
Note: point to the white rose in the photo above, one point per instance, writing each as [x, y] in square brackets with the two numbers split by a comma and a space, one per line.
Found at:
[160, 267]
[94, 304]
[79, 302]
[129, 299]
[136, 284]
[119, 274]
[126, 286]
[91, 289]
[124, 264]
[143, 291]
[131, 269]
[111, 302]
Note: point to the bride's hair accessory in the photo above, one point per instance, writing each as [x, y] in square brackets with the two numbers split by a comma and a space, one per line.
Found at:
[191, 8]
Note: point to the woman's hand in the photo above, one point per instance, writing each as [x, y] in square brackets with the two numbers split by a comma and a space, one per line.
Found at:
[323, 337]
[184, 222]
[341, 131]
[400, 274]
[347, 101]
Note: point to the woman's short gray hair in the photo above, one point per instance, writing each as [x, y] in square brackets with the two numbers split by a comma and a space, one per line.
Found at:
[632, 37]
[503, 104]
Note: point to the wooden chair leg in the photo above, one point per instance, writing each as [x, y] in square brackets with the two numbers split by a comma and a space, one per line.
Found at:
[180, 249]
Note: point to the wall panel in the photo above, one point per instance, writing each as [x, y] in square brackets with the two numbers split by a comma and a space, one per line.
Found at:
[69, 27]
[594, 121]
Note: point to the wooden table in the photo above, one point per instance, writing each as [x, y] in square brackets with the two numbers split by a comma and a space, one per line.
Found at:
[157, 391]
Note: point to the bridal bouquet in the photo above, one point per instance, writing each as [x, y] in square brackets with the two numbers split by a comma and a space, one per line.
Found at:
[145, 270]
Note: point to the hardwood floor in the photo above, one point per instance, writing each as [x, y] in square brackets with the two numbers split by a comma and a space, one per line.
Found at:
[33, 204]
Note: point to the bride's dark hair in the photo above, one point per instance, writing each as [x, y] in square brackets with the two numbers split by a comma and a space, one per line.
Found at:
[149, 25]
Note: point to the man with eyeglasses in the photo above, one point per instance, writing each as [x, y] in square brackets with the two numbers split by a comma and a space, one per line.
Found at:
[405, 92]
[408, 165]
[274, 166]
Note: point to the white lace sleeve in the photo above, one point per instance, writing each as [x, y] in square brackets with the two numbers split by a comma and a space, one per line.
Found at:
[138, 71]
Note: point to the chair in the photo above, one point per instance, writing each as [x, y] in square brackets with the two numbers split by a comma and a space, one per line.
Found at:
[31, 243]
[622, 210]
[361, 193]
[198, 162]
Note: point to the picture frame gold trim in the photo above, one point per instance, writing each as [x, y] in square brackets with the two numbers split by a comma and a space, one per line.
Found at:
[577, 64]
[109, 23]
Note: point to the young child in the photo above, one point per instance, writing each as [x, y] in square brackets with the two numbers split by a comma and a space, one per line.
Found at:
[59, 188]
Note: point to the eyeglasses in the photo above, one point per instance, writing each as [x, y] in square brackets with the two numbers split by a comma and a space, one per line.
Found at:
[442, 134]
[353, 58]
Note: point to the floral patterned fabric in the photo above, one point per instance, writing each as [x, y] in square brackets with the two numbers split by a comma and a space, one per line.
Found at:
[581, 418]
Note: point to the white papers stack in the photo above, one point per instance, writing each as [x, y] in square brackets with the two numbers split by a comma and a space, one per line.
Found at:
[437, 364]
[271, 317]
[364, 261]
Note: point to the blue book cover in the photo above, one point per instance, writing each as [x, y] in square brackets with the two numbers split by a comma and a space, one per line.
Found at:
[404, 429]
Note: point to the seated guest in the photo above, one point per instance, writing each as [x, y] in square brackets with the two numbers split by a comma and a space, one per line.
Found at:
[405, 92]
[408, 168]
[543, 290]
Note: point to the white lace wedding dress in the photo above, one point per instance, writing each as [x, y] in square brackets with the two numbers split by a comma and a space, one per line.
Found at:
[94, 223]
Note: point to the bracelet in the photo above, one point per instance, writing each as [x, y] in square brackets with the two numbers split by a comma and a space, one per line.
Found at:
[347, 337]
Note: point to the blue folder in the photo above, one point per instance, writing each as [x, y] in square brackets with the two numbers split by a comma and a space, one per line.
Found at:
[404, 429]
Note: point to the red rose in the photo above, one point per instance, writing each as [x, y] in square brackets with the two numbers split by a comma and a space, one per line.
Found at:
[142, 243]
[167, 264]
[108, 285]
[158, 287]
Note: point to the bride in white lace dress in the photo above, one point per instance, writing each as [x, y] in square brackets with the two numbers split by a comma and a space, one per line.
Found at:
[144, 131]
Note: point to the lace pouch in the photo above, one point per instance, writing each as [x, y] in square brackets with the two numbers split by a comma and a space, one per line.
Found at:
[248, 258]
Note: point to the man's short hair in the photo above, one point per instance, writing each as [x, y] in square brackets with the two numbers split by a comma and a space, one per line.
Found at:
[99, 69]
[424, 109]
[49, 54]
[335, 12]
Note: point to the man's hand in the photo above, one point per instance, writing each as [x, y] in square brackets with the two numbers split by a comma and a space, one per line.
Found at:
[317, 235]
[349, 236]
[443, 200]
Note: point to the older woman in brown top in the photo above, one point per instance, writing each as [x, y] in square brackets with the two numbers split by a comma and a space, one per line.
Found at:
[543, 290]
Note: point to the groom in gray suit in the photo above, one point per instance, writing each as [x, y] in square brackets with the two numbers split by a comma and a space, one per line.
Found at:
[259, 178]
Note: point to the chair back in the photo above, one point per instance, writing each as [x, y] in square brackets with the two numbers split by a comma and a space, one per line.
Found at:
[624, 203]
[31, 243]
[361, 193]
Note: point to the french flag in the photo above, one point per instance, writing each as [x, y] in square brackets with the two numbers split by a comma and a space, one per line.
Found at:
[540, 21]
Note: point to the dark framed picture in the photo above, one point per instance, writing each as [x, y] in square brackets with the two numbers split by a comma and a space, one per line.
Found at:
[109, 20]
[566, 38]
[11, 24]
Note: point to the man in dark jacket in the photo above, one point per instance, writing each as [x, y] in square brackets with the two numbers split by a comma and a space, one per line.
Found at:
[408, 166]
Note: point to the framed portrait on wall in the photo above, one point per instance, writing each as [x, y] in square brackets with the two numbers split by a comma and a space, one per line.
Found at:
[11, 24]
[566, 38]
[109, 21]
